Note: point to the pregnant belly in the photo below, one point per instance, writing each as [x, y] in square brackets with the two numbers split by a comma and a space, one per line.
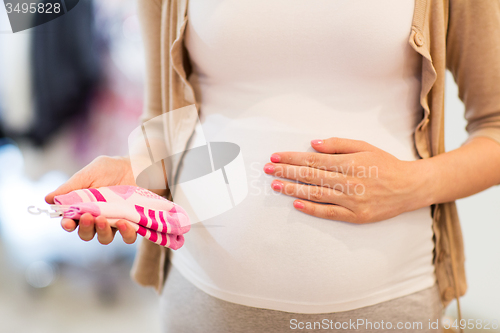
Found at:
[264, 241]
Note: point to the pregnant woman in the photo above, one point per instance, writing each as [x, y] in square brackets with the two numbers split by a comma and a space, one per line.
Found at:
[337, 107]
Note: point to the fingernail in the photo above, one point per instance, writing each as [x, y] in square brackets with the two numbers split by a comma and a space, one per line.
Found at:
[122, 227]
[101, 225]
[85, 223]
[275, 158]
[298, 204]
[277, 185]
[269, 168]
[316, 142]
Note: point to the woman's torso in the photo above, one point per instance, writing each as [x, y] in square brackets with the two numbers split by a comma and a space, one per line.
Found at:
[270, 77]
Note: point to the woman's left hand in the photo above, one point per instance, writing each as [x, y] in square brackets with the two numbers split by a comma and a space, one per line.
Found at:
[350, 180]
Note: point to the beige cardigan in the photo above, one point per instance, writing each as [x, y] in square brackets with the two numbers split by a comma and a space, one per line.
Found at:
[461, 35]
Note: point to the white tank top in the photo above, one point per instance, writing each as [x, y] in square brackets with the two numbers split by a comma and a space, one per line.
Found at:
[272, 75]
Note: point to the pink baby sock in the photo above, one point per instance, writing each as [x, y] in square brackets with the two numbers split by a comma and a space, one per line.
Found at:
[152, 216]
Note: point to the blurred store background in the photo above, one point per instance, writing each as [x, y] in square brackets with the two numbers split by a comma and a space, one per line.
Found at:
[71, 90]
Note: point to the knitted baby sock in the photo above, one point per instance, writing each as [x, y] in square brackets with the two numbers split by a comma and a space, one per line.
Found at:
[150, 215]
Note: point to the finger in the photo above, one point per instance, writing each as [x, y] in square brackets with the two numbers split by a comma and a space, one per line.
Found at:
[307, 175]
[327, 162]
[104, 233]
[68, 224]
[312, 193]
[330, 212]
[86, 231]
[128, 234]
[341, 146]
[112, 224]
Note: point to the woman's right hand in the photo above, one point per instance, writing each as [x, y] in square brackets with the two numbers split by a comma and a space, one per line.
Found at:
[103, 171]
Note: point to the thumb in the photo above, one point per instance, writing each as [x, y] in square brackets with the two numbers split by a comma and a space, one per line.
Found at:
[74, 183]
[340, 146]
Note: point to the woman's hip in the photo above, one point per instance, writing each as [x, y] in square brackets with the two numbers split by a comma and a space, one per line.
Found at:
[186, 308]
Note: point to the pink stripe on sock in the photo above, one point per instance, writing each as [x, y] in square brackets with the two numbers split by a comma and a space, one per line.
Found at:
[173, 224]
[89, 195]
[150, 235]
[171, 241]
[141, 231]
[154, 223]
[164, 239]
[166, 227]
[97, 195]
[154, 236]
[144, 220]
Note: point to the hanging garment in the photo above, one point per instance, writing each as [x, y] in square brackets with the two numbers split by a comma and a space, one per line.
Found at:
[66, 69]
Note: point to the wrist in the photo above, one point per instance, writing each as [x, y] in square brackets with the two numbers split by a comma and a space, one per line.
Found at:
[423, 184]
[428, 181]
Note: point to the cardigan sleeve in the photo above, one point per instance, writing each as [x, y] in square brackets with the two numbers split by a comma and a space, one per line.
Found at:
[149, 12]
[149, 264]
[473, 57]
